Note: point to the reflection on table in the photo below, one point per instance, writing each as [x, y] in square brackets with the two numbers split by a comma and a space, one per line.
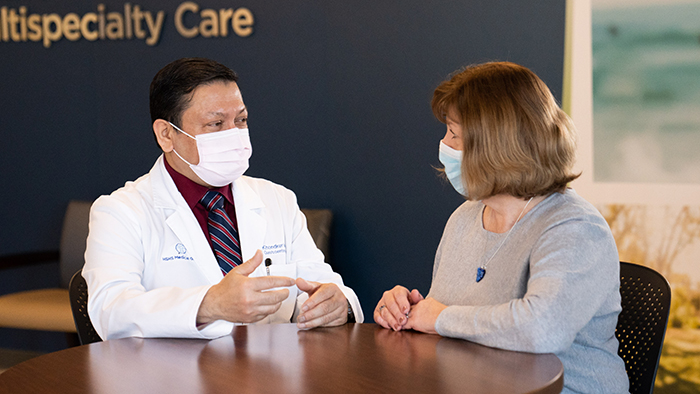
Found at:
[355, 358]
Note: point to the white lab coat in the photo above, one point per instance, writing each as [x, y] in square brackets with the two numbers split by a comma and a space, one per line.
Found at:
[148, 264]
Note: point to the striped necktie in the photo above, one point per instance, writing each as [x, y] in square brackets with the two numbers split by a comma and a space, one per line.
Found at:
[224, 237]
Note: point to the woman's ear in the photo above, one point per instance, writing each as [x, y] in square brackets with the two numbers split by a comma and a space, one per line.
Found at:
[164, 133]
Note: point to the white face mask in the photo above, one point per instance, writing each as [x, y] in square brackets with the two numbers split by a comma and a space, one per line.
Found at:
[452, 160]
[223, 155]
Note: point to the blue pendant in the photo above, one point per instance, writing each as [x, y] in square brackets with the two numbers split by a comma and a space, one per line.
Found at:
[480, 272]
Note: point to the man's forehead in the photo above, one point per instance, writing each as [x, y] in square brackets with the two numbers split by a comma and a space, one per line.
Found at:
[213, 93]
[213, 86]
[216, 99]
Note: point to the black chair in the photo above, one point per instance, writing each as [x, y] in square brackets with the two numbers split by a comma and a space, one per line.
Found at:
[49, 309]
[641, 326]
[78, 292]
[318, 222]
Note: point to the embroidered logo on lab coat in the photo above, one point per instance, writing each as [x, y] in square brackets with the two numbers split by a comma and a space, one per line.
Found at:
[181, 253]
[274, 249]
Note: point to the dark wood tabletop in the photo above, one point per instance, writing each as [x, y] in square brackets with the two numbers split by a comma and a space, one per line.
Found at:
[279, 358]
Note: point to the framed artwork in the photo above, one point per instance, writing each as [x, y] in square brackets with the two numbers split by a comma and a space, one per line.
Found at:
[632, 87]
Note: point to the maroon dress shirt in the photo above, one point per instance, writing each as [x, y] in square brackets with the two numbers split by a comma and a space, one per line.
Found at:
[193, 192]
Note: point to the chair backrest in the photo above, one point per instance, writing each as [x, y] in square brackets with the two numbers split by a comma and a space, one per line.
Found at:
[641, 326]
[319, 221]
[78, 293]
[73, 237]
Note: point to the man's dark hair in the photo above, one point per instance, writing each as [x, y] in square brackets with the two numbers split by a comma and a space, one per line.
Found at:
[172, 87]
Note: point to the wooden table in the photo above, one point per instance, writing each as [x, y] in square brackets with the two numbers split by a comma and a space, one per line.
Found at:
[355, 358]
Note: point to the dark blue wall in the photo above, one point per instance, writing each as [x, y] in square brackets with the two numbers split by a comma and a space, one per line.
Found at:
[338, 94]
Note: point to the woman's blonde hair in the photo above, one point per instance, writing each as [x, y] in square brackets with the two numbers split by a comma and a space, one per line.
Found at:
[516, 139]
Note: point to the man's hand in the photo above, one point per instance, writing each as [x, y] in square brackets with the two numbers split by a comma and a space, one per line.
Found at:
[326, 306]
[240, 299]
[423, 315]
[392, 309]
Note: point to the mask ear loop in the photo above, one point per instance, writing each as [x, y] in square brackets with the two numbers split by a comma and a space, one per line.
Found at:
[183, 131]
[178, 155]
[182, 158]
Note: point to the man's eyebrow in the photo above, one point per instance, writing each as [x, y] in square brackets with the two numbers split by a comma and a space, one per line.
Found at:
[219, 113]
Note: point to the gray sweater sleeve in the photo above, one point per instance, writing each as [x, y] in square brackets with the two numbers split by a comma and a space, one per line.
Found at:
[573, 267]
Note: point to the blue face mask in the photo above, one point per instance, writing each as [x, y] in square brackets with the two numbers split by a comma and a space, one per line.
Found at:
[452, 160]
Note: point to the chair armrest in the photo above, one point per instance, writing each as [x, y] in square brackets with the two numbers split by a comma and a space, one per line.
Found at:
[28, 258]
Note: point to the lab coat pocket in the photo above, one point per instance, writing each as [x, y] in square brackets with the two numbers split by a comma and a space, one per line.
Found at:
[284, 314]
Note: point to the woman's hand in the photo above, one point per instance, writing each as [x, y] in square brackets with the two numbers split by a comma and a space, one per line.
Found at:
[392, 310]
[423, 316]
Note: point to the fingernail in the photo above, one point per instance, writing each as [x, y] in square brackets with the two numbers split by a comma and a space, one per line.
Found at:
[301, 319]
[304, 308]
[401, 319]
[301, 325]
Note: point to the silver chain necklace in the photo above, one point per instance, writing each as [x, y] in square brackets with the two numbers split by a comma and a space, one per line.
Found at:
[481, 271]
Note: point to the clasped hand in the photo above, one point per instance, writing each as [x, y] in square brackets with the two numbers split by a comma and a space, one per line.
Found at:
[242, 299]
[400, 309]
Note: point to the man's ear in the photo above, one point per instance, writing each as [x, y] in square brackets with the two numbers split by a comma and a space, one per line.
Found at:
[164, 133]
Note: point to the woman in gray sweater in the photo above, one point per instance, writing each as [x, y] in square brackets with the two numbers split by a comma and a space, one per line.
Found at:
[524, 264]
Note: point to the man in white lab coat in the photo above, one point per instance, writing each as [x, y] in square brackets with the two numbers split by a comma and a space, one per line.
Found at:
[155, 266]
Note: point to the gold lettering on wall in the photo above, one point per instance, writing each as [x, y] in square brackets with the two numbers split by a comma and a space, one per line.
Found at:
[212, 23]
[125, 23]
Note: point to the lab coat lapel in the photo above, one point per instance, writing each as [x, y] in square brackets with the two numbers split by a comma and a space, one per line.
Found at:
[252, 225]
[185, 226]
[180, 219]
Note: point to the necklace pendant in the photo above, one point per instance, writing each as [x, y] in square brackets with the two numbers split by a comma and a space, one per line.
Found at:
[480, 272]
